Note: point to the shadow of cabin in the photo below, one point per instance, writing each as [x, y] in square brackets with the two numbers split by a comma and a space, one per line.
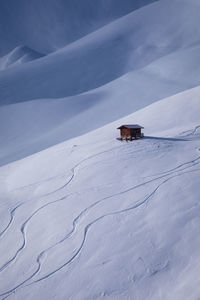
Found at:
[130, 132]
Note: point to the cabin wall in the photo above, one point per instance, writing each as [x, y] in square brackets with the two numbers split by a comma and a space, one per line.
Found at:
[130, 133]
[125, 133]
[136, 132]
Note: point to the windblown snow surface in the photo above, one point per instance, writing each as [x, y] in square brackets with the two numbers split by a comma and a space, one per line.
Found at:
[89, 216]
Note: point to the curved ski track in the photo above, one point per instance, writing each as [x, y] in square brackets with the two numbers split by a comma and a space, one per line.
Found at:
[12, 213]
[45, 195]
[22, 229]
[86, 229]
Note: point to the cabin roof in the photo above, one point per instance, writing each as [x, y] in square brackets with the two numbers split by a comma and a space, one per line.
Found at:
[134, 126]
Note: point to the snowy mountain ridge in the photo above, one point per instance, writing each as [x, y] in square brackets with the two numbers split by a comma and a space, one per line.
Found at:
[19, 55]
[139, 62]
[50, 25]
[119, 46]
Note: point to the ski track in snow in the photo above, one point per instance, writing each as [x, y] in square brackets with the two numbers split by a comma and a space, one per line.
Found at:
[22, 229]
[12, 213]
[192, 163]
[45, 195]
[190, 131]
[38, 183]
[179, 168]
[62, 175]
[86, 229]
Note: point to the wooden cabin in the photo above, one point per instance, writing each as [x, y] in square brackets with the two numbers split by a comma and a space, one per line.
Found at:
[130, 132]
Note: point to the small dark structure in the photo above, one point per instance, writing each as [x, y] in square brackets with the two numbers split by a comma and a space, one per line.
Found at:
[130, 132]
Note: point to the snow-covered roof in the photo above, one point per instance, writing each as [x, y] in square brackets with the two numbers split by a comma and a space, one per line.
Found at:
[134, 126]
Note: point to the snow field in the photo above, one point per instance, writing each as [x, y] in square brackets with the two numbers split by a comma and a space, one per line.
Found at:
[118, 218]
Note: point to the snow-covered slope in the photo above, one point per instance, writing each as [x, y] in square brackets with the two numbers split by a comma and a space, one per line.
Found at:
[148, 60]
[32, 126]
[19, 55]
[48, 25]
[124, 45]
[96, 218]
